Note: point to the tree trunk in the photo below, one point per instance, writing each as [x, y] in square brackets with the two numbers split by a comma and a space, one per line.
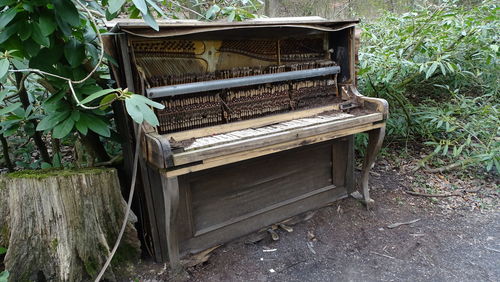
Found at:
[37, 135]
[61, 225]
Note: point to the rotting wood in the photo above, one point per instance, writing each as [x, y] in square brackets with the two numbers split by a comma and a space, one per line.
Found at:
[267, 140]
[61, 225]
[227, 159]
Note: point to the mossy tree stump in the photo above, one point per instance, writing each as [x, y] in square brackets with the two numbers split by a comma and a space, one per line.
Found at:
[62, 225]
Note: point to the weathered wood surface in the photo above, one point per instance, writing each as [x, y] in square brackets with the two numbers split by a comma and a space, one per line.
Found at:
[228, 159]
[61, 226]
[272, 139]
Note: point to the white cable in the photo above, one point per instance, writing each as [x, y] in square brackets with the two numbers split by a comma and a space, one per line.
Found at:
[129, 204]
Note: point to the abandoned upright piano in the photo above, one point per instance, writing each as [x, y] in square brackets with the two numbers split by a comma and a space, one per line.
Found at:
[258, 123]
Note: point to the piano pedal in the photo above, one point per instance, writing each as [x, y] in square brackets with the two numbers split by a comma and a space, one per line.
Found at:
[286, 227]
[273, 233]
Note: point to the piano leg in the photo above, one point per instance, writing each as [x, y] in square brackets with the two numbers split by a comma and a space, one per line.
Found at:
[171, 198]
[375, 139]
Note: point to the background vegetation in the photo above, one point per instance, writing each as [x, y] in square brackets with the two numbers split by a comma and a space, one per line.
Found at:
[438, 68]
[437, 65]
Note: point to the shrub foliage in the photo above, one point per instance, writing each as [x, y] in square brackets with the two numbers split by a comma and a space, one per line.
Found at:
[438, 68]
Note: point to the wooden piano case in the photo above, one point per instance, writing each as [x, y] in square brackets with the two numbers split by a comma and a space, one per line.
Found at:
[258, 127]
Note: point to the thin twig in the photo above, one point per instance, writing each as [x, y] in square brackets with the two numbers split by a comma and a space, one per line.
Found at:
[433, 195]
[187, 9]
[450, 166]
[383, 255]
[394, 225]
[491, 249]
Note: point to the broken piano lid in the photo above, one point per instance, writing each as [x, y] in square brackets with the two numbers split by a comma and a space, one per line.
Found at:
[183, 27]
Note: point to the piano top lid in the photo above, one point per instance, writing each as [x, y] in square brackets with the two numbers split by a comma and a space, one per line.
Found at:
[179, 27]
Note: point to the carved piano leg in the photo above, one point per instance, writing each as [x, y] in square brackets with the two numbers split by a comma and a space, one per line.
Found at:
[376, 137]
[171, 198]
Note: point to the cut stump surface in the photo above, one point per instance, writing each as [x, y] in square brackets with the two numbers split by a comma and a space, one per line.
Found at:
[61, 225]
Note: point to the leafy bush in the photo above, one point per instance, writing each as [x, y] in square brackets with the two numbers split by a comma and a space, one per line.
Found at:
[55, 87]
[438, 68]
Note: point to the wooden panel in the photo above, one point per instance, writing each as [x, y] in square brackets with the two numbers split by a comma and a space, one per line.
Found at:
[255, 223]
[156, 210]
[240, 189]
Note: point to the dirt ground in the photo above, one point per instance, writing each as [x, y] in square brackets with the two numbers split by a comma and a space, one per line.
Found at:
[455, 239]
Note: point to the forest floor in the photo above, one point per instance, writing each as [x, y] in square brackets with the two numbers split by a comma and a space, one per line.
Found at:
[454, 238]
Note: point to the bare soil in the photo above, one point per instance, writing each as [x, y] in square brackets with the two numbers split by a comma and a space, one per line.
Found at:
[456, 238]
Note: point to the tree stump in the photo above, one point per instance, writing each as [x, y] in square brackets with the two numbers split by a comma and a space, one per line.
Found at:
[61, 225]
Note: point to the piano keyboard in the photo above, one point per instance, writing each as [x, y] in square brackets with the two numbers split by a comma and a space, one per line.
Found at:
[238, 135]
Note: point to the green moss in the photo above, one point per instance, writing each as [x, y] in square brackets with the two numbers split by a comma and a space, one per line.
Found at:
[54, 244]
[51, 172]
[125, 253]
[4, 235]
[91, 266]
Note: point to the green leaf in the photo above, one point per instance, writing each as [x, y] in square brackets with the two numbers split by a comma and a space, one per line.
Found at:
[3, 250]
[63, 129]
[106, 100]
[8, 32]
[47, 25]
[55, 97]
[25, 30]
[75, 115]
[141, 5]
[11, 131]
[100, 127]
[74, 52]
[157, 9]
[67, 11]
[31, 47]
[96, 95]
[443, 68]
[230, 18]
[212, 11]
[45, 165]
[10, 108]
[96, 124]
[437, 149]
[445, 150]
[4, 276]
[148, 114]
[133, 109]
[4, 67]
[151, 21]
[52, 120]
[148, 101]
[6, 17]
[115, 5]
[3, 94]
[81, 126]
[430, 71]
[4, 3]
[56, 160]
[38, 37]
[63, 26]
